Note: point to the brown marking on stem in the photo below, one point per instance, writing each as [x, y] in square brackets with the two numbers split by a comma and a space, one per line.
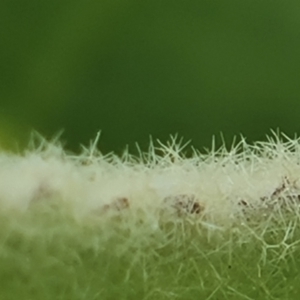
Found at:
[118, 205]
[184, 204]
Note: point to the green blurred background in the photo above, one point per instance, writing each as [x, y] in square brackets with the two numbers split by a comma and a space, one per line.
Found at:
[137, 68]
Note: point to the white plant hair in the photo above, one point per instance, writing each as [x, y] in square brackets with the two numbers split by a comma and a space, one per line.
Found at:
[217, 189]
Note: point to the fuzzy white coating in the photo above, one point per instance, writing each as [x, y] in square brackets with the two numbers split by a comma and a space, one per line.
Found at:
[217, 187]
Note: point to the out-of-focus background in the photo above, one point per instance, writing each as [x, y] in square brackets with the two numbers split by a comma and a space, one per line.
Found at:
[137, 68]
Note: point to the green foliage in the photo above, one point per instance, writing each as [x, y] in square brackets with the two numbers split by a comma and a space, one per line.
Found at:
[132, 68]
